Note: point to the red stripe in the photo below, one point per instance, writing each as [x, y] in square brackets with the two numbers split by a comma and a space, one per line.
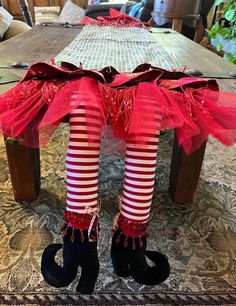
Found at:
[86, 124]
[128, 163]
[89, 107]
[81, 193]
[139, 186]
[138, 193]
[132, 149]
[141, 157]
[83, 200]
[81, 171]
[124, 205]
[82, 163]
[82, 179]
[138, 179]
[137, 201]
[81, 185]
[85, 132]
[90, 148]
[153, 143]
[83, 155]
[86, 115]
[140, 172]
[85, 140]
[134, 214]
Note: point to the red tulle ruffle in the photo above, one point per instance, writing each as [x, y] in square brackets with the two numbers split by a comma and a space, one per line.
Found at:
[142, 102]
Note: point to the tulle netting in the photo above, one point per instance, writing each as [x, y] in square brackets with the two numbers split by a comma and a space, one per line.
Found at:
[133, 103]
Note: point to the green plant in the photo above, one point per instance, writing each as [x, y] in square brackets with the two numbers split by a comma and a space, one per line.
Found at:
[224, 38]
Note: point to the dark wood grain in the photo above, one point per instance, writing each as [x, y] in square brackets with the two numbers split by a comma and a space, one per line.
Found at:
[39, 44]
[24, 168]
[43, 43]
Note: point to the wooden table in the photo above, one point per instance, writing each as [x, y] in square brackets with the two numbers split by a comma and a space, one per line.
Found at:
[42, 43]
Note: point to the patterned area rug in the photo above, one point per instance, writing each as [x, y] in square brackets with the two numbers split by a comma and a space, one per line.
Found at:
[198, 238]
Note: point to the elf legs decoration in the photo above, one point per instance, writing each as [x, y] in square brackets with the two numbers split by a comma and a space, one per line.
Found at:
[80, 230]
[129, 240]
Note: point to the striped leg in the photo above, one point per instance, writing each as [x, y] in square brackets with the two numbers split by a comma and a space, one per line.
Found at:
[140, 168]
[82, 167]
[81, 220]
[128, 249]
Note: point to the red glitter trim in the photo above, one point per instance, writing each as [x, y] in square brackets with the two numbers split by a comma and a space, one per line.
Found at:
[79, 221]
[132, 228]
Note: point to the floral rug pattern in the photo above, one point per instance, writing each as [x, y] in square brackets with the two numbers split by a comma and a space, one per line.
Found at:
[198, 238]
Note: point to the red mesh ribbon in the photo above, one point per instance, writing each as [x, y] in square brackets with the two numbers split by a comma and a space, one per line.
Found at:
[134, 103]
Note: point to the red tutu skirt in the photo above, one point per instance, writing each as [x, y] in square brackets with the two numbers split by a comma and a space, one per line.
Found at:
[133, 103]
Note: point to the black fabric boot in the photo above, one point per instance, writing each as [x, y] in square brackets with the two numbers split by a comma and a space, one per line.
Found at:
[77, 251]
[128, 259]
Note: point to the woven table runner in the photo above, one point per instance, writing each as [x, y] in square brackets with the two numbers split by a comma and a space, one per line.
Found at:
[123, 48]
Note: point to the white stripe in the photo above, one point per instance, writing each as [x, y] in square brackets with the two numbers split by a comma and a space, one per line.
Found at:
[78, 111]
[84, 128]
[141, 161]
[80, 167]
[81, 182]
[84, 119]
[84, 135]
[134, 217]
[81, 174]
[136, 189]
[142, 146]
[78, 211]
[79, 204]
[79, 144]
[145, 176]
[138, 197]
[148, 154]
[82, 159]
[81, 197]
[84, 111]
[84, 152]
[87, 145]
[136, 204]
[140, 168]
[137, 211]
[82, 189]
[133, 182]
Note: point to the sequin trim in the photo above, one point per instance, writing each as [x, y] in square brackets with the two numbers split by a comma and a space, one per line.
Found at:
[132, 228]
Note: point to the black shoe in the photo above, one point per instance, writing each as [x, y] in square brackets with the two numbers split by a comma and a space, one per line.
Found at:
[77, 251]
[128, 259]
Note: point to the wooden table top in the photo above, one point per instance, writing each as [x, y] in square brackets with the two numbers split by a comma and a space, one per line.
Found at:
[43, 43]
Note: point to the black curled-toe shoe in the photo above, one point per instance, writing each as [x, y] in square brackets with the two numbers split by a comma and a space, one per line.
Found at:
[77, 251]
[128, 259]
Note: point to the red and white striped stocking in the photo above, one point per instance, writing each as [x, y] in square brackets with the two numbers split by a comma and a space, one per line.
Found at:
[140, 168]
[82, 167]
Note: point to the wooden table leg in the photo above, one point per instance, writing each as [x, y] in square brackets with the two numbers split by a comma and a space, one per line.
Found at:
[184, 173]
[24, 167]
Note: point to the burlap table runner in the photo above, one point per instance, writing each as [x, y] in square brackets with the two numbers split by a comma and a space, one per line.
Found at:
[124, 48]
